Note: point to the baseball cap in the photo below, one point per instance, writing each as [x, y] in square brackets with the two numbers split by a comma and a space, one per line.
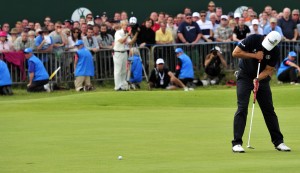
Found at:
[28, 50]
[216, 48]
[271, 40]
[273, 20]
[224, 17]
[237, 15]
[78, 43]
[178, 50]
[255, 22]
[133, 20]
[293, 54]
[196, 14]
[160, 61]
[97, 17]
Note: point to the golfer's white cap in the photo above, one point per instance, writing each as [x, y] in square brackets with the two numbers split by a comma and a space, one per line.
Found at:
[160, 61]
[271, 40]
[133, 20]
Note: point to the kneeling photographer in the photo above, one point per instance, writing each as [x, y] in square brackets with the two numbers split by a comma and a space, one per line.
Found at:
[214, 62]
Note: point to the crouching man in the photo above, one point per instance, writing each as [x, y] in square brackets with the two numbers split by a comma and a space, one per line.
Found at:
[38, 76]
[83, 67]
[5, 80]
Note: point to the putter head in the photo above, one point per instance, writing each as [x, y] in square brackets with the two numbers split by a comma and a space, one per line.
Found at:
[250, 147]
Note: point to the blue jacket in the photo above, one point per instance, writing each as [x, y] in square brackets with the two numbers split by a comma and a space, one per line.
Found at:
[283, 66]
[4, 74]
[136, 69]
[85, 64]
[186, 70]
[40, 72]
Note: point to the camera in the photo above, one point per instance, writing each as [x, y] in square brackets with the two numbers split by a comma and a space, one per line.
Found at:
[215, 52]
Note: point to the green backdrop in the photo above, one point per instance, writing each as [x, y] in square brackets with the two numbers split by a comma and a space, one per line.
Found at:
[36, 10]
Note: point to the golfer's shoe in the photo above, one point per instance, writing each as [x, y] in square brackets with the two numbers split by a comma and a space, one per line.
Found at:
[238, 149]
[282, 147]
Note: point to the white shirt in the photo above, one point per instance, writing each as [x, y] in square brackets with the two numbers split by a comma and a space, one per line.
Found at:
[205, 27]
[259, 30]
[120, 34]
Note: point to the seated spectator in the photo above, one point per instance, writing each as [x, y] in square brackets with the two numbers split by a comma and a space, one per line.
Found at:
[38, 76]
[5, 80]
[255, 28]
[240, 32]
[184, 68]
[44, 42]
[161, 77]
[59, 39]
[289, 70]
[146, 37]
[106, 40]
[90, 42]
[5, 45]
[83, 68]
[214, 62]
[136, 69]
[24, 42]
[272, 27]
[13, 35]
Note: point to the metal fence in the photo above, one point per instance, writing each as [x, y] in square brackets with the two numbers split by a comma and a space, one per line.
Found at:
[103, 60]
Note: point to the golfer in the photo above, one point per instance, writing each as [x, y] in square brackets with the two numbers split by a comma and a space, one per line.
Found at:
[250, 54]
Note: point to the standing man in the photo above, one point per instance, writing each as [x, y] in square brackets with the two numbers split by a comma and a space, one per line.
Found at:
[83, 67]
[38, 76]
[251, 53]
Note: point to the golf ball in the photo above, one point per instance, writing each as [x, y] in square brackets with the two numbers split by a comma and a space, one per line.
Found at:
[120, 157]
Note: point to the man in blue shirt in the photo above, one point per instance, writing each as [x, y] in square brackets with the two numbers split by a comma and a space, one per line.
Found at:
[38, 76]
[83, 67]
[184, 67]
[272, 27]
[5, 80]
[288, 70]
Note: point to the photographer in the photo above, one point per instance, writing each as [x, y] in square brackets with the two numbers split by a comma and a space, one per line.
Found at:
[212, 64]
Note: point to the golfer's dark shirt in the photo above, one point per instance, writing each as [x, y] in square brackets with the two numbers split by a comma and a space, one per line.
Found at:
[253, 44]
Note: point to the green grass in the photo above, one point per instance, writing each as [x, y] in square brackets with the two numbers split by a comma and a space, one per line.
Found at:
[154, 131]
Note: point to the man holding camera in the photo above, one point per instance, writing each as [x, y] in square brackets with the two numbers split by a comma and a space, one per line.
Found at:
[213, 65]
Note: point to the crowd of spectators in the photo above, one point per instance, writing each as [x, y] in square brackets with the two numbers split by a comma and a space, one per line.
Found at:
[97, 31]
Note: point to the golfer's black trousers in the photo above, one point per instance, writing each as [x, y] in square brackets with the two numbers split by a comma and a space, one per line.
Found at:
[264, 99]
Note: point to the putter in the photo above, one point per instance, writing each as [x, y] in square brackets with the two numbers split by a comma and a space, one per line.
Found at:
[254, 99]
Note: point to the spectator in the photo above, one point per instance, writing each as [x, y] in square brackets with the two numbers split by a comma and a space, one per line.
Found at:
[5, 45]
[19, 27]
[59, 38]
[31, 26]
[219, 13]
[214, 62]
[211, 8]
[23, 42]
[213, 18]
[184, 68]
[195, 17]
[268, 10]
[161, 77]
[146, 36]
[97, 20]
[224, 32]
[24, 23]
[136, 69]
[237, 17]
[5, 80]
[240, 32]
[295, 16]
[189, 31]
[68, 23]
[264, 21]
[161, 17]
[274, 13]
[47, 21]
[206, 28]
[117, 16]
[83, 68]
[172, 27]
[31, 35]
[37, 25]
[89, 19]
[75, 36]
[50, 27]
[232, 24]
[255, 28]
[82, 21]
[252, 16]
[245, 16]
[13, 35]
[38, 76]
[90, 42]
[179, 19]
[155, 25]
[163, 36]
[83, 28]
[289, 70]
[76, 24]
[273, 27]
[288, 26]
[187, 10]
[104, 17]
[106, 40]
[124, 16]
[44, 42]
[96, 32]
[5, 28]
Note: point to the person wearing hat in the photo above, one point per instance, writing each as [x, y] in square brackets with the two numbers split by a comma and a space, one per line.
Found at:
[272, 27]
[68, 24]
[14, 34]
[38, 75]
[5, 45]
[184, 67]
[255, 28]
[213, 64]
[44, 42]
[83, 67]
[288, 70]
[162, 77]
[256, 53]
[98, 20]
[5, 80]
[195, 17]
